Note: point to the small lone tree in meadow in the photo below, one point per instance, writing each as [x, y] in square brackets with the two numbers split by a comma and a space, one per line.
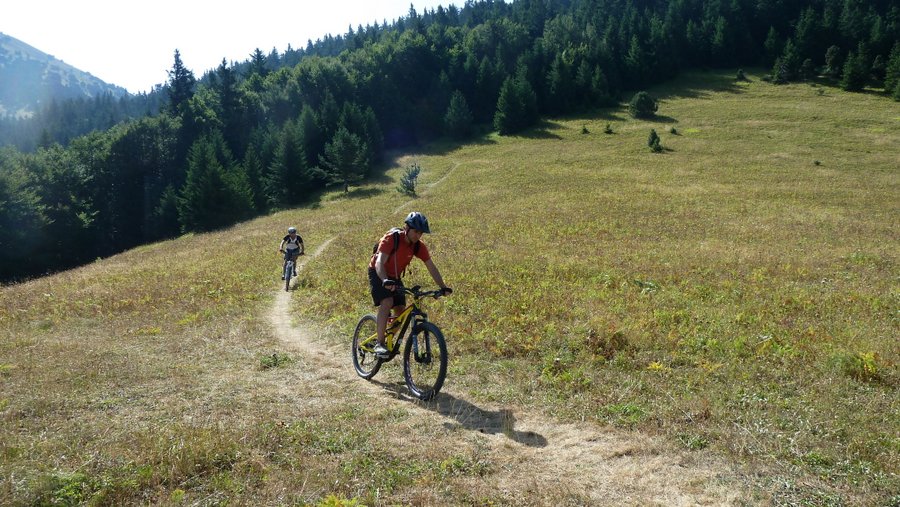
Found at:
[608, 129]
[653, 142]
[642, 105]
[409, 179]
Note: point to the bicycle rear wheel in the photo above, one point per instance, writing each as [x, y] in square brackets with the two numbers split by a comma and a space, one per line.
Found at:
[363, 347]
[425, 361]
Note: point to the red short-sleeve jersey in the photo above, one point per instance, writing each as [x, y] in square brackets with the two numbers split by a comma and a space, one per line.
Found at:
[397, 263]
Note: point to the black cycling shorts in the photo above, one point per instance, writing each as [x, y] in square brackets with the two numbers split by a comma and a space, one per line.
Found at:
[379, 292]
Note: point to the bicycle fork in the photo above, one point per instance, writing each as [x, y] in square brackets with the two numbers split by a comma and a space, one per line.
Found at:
[421, 352]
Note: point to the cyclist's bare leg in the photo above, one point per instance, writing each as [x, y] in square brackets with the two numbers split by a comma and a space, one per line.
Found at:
[384, 311]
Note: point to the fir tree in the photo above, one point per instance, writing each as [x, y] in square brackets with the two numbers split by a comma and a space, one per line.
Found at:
[181, 85]
[892, 70]
[855, 73]
[458, 120]
[516, 106]
[833, 62]
[344, 160]
[653, 141]
[215, 192]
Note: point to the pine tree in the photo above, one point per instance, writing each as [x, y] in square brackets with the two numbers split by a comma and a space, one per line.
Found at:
[288, 177]
[216, 192]
[653, 141]
[855, 73]
[807, 70]
[833, 62]
[772, 44]
[181, 85]
[516, 106]
[892, 70]
[344, 160]
[600, 92]
[164, 221]
[458, 120]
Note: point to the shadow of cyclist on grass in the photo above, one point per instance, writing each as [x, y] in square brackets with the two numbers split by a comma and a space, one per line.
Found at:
[469, 416]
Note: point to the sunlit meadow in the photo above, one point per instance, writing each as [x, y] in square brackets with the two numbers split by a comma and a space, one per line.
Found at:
[737, 293]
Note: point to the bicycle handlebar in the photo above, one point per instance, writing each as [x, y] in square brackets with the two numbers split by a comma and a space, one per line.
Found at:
[418, 293]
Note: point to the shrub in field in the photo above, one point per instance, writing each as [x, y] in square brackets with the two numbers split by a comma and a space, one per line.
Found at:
[740, 75]
[606, 344]
[653, 141]
[862, 366]
[338, 501]
[410, 179]
[274, 361]
[584, 129]
[608, 129]
[642, 105]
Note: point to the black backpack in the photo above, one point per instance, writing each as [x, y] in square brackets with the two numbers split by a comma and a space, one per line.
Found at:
[395, 232]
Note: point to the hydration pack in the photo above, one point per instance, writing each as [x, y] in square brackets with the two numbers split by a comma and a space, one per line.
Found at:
[395, 232]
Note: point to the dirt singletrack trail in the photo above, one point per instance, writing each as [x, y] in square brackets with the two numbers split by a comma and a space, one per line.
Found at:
[537, 461]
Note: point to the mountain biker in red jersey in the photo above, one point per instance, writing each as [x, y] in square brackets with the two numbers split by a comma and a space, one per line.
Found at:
[387, 266]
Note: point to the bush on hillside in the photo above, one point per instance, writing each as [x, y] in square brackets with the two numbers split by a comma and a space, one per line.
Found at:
[653, 141]
[642, 105]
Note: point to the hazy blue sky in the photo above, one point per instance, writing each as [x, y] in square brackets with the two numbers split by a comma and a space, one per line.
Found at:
[132, 44]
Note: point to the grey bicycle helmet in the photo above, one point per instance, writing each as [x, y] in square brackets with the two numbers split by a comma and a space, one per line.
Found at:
[417, 221]
[292, 229]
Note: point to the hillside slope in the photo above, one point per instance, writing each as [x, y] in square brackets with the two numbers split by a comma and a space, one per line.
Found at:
[697, 326]
[30, 78]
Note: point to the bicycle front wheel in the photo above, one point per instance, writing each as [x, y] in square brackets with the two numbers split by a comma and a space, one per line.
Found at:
[363, 347]
[425, 361]
[288, 272]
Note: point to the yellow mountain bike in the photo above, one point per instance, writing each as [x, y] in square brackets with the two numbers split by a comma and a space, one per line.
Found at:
[425, 353]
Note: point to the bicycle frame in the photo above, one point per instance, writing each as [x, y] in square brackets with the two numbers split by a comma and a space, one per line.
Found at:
[394, 333]
[424, 351]
[392, 338]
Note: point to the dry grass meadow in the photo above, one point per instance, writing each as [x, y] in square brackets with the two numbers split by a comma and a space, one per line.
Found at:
[714, 324]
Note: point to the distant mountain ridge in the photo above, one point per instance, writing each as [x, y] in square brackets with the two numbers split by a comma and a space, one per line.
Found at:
[30, 78]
